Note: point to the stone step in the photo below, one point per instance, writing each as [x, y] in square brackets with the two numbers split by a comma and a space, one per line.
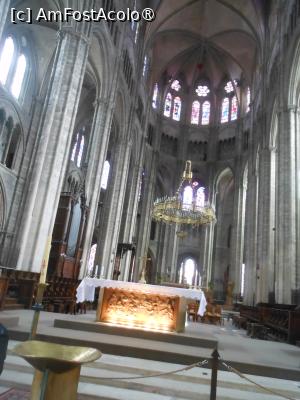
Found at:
[11, 300]
[13, 306]
[193, 384]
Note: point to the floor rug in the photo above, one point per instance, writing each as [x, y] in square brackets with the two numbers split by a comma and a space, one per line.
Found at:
[15, 394]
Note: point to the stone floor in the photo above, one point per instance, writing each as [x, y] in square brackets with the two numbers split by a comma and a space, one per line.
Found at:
[192, 384]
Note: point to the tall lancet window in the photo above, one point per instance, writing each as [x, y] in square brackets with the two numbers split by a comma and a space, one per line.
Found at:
[205, 113]
[177, 109]
[195, 112]
[168, 105]
[234, 108]
[225, 110]
[6, 59]
[105, 175]
[200, 198]
[248, 99]
[187, 201]
[19, 76]
[78, 148]
[155, 96]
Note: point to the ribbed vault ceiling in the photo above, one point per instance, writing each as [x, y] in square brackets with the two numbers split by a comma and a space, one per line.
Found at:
[216, 39]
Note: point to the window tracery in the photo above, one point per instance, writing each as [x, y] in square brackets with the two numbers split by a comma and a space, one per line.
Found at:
[201, 108]
[13, 65]
[229, 107]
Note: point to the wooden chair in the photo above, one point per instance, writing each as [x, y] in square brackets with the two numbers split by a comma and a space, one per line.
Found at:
[208, 315]
[193, 311]
[217, 314]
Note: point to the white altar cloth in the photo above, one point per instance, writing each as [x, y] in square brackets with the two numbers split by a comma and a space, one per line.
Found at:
[86, 290]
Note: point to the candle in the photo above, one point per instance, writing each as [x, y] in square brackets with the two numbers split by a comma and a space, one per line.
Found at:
[45, 260]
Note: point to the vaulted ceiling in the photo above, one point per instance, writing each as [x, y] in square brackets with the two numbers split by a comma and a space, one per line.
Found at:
[213, 39]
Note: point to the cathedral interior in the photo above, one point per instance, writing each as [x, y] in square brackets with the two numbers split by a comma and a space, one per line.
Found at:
[98, 120]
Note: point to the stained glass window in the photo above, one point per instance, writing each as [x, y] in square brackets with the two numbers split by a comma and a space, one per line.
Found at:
[229, 86]
[205, 113]
[187, 198]
[168, 105]
[177, 109]
[234, 108]
[145, 65]
[176, 85]
[92, 258]
[19, 76]
[80, 152]
[155, 95]
[105, 175]
[225, 110]
[202, 91]
[195, 112]
[74, 148]
[6, 59]
[200, 198]
[248, 99]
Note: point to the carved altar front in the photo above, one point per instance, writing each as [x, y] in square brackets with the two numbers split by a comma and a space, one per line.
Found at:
[133, 308]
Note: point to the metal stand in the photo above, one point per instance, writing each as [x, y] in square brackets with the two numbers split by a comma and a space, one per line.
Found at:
[214, 374]
[38, 307]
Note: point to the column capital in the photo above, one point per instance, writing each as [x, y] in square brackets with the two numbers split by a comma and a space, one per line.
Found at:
[71, 31]
[288, 108]
[99, 101]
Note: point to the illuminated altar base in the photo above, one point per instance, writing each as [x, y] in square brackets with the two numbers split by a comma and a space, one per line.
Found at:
[141, 310]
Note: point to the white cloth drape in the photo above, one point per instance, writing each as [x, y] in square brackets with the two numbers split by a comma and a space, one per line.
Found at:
[86, 290]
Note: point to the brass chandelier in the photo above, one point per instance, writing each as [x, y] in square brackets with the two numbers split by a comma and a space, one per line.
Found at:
[188, 207]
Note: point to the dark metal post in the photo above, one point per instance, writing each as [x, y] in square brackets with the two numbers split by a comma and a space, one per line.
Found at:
[214, 374]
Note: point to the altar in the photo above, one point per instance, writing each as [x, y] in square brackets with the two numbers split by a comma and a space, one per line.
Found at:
[140, 305]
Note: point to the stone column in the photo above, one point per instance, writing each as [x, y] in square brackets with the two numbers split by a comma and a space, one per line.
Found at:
[286, 205]
[55, 132]
[108, 238]
[151, 158]
[237, 235]
[251, 239]
[4, 12]
[266, 226]
[100, 133]
[131, 213]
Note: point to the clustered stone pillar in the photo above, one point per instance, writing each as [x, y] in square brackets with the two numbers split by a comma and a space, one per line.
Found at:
[112, 213]
[151, 158]
[286, 209]
[55, 132]
[237, 242]
[131, 213]
[265, 232]
[250, 237]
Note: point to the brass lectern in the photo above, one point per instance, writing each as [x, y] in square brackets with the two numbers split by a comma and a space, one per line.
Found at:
[57, 368]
